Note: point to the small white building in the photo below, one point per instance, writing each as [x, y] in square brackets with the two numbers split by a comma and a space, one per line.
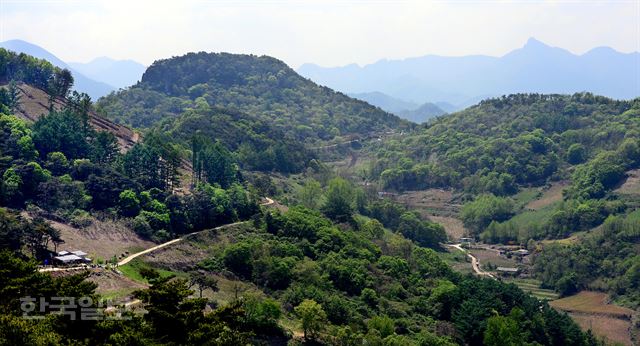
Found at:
[73, 257]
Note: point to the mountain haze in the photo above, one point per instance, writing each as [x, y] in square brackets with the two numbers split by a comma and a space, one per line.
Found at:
[465, 80]
[385, 102]
[82, 83]
[118, 73]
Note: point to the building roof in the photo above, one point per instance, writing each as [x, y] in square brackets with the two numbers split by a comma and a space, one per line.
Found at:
[79, 253]
[507, 269]
[521, 252]
[62, 253]
[68, 258]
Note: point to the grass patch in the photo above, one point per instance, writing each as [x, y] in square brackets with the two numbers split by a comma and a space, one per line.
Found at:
[525, 196]
[456, 259]
[591, 302]
[532, 287]
[533, 217]
[132, 270]
[117, 294]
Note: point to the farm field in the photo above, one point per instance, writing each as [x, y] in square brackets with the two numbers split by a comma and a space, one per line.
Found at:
[488, 257]
[431, 202]
[452, 226]
[591, 311]
[631, 185]
[532, 286]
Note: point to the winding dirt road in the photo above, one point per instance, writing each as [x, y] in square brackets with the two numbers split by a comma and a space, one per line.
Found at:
[129, 258]
[475, 264]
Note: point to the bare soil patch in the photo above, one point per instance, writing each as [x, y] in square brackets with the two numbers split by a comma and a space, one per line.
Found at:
[454, 227]
[431, 202]
[113, 285]
[631, 185]
[102, 239]
[592, 310]
[549, 196]
[593, 303]
[614, 330]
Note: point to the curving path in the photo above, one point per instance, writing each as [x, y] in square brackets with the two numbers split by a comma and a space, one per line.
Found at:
[157, 247]
[475, 264]
[129, 258]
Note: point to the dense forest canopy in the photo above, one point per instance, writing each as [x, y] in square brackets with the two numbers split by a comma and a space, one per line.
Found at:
[503, 143]
[37, 72]
[263, 87]
[348, 267]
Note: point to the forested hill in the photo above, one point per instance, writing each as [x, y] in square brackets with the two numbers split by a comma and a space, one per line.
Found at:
[260, 86]
[503, 143]
[34, 86]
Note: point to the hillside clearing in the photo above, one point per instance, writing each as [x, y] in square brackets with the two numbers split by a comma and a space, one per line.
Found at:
[549, 196]
[591, 311]
[102, 240]
[631, 185]
[454, 227]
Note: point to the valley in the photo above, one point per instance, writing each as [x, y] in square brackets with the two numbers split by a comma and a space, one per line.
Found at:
[512, 221]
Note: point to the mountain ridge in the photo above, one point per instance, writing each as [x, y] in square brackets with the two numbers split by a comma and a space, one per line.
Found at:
[82, 83]
[534, 67]
[118, 73]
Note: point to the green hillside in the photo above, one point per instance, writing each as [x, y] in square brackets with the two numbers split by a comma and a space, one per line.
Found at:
[263, 87]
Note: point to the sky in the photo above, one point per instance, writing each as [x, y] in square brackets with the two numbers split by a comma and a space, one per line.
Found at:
[327, 33]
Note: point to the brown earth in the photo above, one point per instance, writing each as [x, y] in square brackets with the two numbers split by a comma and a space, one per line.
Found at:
[454, 227]
[631, 185]
[614, 330]
[113, 285]
[34, 103]
[592, 310]
[431, 202]
[486, 256]
[101, 240]
[549, 196]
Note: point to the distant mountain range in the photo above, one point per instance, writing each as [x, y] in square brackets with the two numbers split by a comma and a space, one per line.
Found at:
[463, 81]
[96, 78]
[384, 101]
[119, 73]
[405, 109]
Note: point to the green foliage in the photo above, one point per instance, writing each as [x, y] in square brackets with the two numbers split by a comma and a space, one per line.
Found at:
[339, 200]
[610, 262]
[312, 318]
[129, 204]
[310, 194]
[36, 72]
[16, 138]
[576, 153]
[424, 233]
[64, 132]
[261, 86]
[382, 324]
[477, 215]
[212, 163]
[505, 142]
[503, 331]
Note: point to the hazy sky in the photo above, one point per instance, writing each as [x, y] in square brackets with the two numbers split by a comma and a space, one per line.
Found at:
[328, 33]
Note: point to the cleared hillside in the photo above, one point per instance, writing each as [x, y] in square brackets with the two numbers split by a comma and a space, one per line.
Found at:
[34, 103]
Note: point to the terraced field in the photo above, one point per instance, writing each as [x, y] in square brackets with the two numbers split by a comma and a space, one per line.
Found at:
[591, 310]
[532, 286]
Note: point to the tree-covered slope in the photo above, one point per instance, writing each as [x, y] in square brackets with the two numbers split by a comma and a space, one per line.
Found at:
[500, 146]
[260, 86]
[503, 143]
